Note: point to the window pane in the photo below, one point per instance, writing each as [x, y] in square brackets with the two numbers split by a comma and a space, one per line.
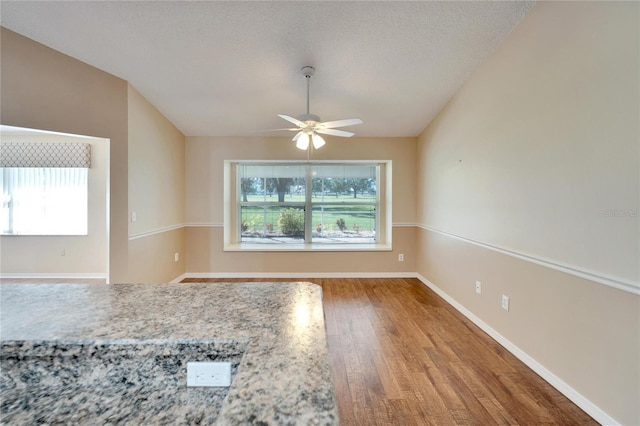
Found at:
[285, 189]
[344, 190]
[272, 224]
[348, 183]
[251, 189]
[273, 183]
[44, 201]
[344, 224]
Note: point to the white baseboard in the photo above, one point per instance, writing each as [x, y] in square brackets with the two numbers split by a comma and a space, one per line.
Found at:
[589, 407]
[299, 275]
[178, 279]
[75, 276]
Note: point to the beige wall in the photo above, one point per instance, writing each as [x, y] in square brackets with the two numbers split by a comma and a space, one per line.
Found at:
[533, 169]
[44, 89]
[156, 193]
[156, 168]
[151, 258]
[543, 141]
[84, 255]
[205, 158]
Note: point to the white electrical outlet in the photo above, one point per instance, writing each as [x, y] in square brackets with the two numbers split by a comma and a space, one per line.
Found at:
[505, 302]
[63, 252]
[209, 374]
[176, 257]
[401, 257]
[478, 287]
[134, 217]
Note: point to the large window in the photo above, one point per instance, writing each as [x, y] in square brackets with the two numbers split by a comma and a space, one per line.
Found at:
[44, 188]
[315, 204]
[44, 201]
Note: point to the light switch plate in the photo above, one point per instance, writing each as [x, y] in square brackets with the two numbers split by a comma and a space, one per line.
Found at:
[505, 302]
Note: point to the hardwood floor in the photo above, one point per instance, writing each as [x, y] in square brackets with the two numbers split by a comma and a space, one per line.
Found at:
[402, 356]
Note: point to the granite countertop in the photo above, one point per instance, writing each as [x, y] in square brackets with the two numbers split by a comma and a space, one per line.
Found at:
[272, 333]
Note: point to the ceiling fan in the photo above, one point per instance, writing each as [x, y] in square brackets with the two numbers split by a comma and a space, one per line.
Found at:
[309, 125]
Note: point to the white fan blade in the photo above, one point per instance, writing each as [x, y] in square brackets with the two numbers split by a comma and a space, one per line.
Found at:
[295, 129]
[292, 120]
[340, 123]
[334, 132]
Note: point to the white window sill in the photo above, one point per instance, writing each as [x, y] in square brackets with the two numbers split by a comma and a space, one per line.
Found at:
[307, 247]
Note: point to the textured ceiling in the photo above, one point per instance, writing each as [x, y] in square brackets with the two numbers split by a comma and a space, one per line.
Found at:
[227, 68]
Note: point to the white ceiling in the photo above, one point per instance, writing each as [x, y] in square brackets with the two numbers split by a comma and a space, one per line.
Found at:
[227, 68]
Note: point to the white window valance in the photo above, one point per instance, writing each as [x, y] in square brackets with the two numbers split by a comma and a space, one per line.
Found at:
[49, 154]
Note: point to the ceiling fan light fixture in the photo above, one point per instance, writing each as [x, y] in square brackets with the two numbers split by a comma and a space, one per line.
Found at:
[303, 141]
[318, 141]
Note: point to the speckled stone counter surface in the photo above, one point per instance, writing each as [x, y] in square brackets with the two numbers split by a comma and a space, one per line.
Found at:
[119, 353]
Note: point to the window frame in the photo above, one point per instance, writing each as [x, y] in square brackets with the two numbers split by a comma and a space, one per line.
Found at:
[232, 209]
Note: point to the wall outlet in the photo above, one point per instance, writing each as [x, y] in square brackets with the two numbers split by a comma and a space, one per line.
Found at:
[209, 374]
[176, 257]
[134, 217]
[478, 287]
[63, 252]
[505, 303]
[401, 257]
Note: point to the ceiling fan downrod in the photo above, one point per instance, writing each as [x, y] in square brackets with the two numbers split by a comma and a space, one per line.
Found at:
[308, 72]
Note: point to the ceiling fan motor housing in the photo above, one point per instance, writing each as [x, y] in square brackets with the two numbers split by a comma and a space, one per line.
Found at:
[307, 118]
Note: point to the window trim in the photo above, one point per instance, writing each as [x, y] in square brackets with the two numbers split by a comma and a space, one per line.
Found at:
[231, 214]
